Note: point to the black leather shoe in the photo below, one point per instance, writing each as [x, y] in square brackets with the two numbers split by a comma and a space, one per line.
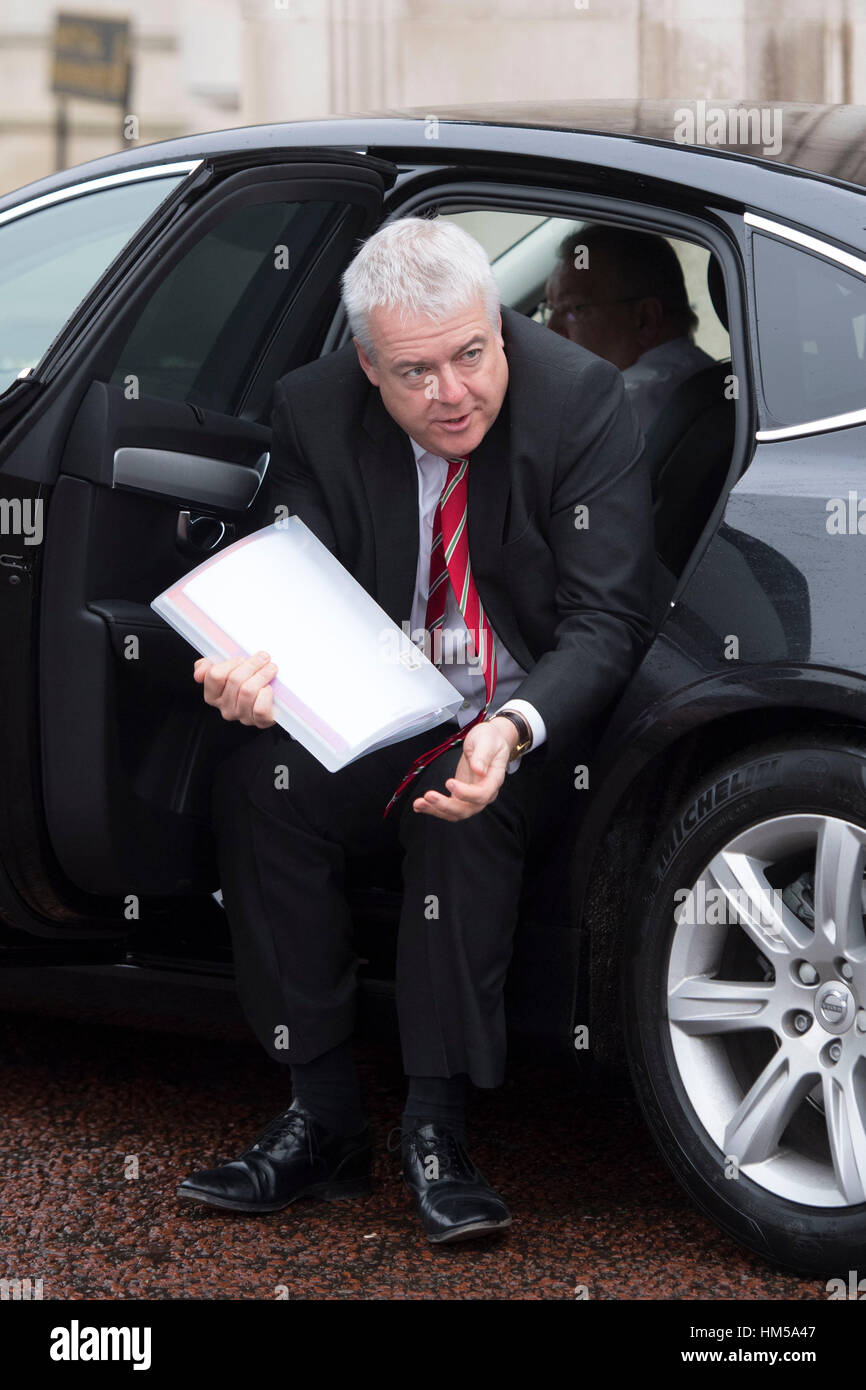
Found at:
[453, 1200]
[294, 1157]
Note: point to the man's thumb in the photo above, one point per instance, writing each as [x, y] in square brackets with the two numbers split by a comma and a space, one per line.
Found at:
[478, 761]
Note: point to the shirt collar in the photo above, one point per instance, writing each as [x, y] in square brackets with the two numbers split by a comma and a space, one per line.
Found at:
[673, 349]
[418, 449]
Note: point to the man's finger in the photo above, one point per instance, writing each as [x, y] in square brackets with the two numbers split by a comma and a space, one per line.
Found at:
[479, 764]
[253, 687]
[472, 791]
[242, 669]
[214, 680]
[466, 799]
[446, 807]
[241, 702]
[263, 708]
[235, 670]
[223, 682]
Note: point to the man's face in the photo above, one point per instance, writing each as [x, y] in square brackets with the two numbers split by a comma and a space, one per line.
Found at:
[443, 382]
[584, 311]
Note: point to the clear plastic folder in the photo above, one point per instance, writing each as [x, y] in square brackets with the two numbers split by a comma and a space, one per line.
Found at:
[348, 680]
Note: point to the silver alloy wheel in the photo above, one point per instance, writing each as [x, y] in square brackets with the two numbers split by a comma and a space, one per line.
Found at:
[767, 1012]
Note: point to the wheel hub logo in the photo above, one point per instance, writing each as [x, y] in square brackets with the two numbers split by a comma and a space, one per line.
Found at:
[836, 1008]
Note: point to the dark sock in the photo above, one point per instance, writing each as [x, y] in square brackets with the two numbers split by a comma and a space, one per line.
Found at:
[328, 1088]
[437, 1100]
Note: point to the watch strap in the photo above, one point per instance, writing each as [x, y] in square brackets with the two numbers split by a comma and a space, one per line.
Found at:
[524, 742]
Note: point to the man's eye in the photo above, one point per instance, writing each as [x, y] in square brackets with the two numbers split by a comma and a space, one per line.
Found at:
[413, 373]
[473, 354]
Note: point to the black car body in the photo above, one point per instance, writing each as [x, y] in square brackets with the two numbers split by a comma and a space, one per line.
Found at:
[138, 424]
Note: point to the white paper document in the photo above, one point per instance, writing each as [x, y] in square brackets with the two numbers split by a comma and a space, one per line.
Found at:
[348, 679]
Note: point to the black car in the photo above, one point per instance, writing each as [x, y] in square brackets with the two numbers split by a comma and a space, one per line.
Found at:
[700, 916]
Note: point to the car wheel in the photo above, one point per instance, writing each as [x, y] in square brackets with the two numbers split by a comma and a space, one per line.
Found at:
[744, 999]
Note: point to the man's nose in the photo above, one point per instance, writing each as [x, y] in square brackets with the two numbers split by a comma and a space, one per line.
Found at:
[451, 387]
[558, 322]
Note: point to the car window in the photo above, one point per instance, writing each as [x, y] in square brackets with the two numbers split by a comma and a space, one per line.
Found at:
[200, 331]
[522, 248]
[811, 319]
[52, 257]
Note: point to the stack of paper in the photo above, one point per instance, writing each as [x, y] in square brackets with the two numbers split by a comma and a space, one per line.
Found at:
[348, 679]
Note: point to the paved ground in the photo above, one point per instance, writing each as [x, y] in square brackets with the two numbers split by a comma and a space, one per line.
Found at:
[84, 1104]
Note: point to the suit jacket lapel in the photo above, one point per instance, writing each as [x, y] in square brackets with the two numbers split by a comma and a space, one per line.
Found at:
[489, 491]
[390, 480]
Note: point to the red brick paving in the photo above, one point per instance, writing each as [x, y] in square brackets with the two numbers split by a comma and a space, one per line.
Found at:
[592, 1202]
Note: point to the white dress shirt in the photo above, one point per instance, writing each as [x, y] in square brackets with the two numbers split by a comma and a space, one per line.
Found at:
[656, 374]
[459, 662]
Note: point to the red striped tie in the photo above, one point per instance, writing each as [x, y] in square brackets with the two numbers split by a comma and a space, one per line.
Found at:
[449, 560]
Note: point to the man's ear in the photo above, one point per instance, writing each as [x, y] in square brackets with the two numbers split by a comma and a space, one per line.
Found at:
[649, 319]
[499, 329]
[366, 365]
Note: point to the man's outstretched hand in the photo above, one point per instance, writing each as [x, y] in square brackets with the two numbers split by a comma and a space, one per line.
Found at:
[487, 750]
[239, 688]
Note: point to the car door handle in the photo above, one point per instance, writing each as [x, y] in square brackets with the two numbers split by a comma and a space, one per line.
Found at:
[199, 535]
[178, 477]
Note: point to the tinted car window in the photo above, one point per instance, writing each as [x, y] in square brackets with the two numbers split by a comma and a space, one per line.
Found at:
[199, 331]
[50, 258]
[811, 317]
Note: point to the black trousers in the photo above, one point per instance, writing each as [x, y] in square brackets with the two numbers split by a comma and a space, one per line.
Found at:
[284, 826]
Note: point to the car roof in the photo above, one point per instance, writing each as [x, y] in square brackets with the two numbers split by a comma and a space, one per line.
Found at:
[827, 143]
[818, 139]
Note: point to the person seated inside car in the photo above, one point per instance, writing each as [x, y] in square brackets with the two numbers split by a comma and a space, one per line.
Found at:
[622, 295]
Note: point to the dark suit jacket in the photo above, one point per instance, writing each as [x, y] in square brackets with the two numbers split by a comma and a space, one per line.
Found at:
[571, 605]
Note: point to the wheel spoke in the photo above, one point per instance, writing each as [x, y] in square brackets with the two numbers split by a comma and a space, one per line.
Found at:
[839, 860]
[847, 1135]
[753, 1131]
[703, 1005]
[753, 905]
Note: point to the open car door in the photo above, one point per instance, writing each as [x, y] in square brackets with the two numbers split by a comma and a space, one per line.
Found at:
[163, 416]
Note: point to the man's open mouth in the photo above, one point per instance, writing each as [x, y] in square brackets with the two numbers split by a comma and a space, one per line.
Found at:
[456, 421]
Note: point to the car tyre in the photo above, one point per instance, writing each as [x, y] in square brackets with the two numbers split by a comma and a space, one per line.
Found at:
[745, 1021]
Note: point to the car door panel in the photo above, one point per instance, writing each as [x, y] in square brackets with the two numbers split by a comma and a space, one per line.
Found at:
[150, 483]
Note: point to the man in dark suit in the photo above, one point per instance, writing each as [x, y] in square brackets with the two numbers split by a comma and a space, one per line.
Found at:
[549, 603]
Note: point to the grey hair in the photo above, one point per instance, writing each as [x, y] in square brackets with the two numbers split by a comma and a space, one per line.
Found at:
[419, 265]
